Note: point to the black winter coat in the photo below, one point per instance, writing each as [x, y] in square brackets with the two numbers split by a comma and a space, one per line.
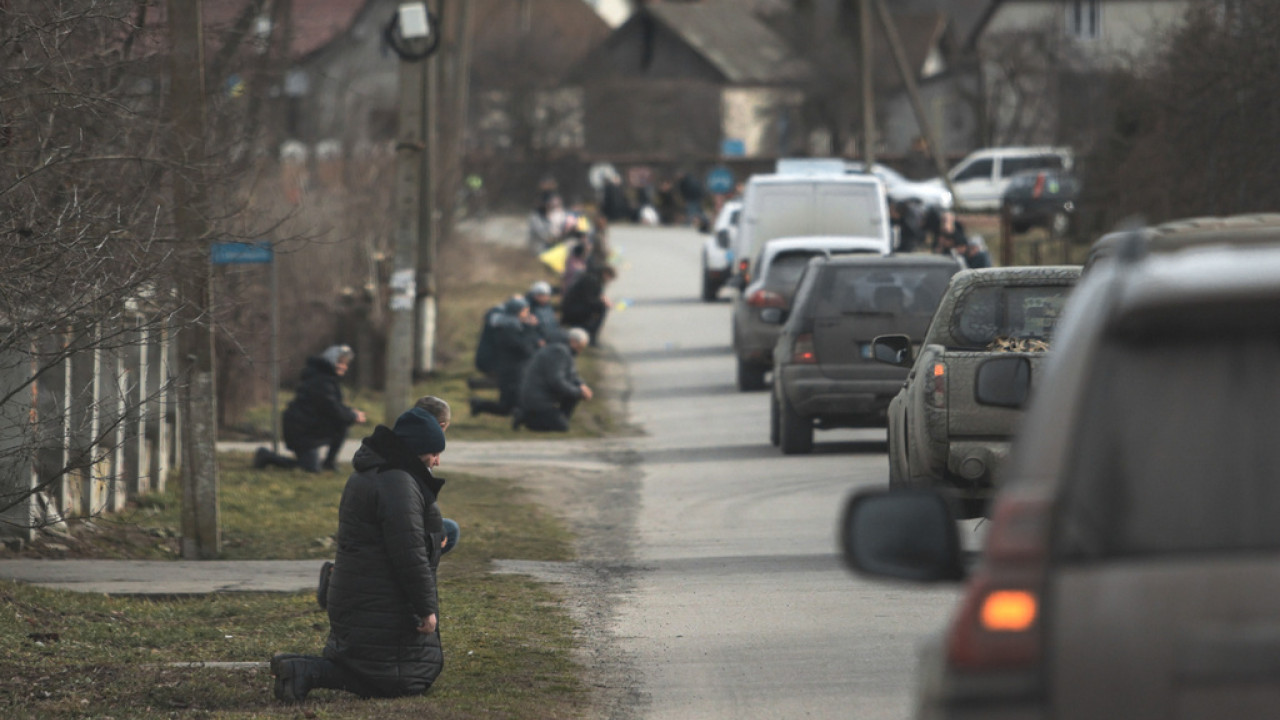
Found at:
[316, 414]
[384, 579]
[551, 378]
[583, 300]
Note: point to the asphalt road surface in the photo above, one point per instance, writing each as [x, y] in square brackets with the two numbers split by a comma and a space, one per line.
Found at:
[741, 607]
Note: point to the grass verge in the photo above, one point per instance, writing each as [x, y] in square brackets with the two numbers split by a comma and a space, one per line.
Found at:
[75, 655]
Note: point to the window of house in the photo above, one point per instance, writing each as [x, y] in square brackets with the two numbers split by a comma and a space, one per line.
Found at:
[1084, 19]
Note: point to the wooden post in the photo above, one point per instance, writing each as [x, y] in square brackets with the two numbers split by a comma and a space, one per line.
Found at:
[201, 534]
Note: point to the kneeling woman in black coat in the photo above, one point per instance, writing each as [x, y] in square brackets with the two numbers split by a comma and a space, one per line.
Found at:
[382, 601]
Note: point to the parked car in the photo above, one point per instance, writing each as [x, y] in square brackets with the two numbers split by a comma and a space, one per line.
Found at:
[717, 255]
[1130, 566]
[981, 177]
[797, 205]
[939, 436]
[1041, 198]
[770, 284]
[824, 375]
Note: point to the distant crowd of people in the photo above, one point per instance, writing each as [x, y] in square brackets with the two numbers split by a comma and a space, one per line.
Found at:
[527, 348]
[940, 231]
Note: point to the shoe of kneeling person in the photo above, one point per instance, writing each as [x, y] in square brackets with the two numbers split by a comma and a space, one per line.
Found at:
[261, 458]
[294, 676]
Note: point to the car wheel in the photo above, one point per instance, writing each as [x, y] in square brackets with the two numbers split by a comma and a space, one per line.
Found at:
[773, 419]
[795, 433]
[750, 377]
[970, 508]
[895, 454]
[710, 288]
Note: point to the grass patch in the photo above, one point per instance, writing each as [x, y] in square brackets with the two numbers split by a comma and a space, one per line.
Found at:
[75, 655]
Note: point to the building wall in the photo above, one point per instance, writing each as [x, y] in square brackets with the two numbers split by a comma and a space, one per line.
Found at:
[950, 110]
[766, 120]
[1129, 28]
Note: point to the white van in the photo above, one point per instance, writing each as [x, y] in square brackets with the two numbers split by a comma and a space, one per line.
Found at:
[775, 206]
[982, 176]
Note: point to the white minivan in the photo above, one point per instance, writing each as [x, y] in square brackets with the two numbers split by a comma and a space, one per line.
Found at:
[778, 205]
[979, 180]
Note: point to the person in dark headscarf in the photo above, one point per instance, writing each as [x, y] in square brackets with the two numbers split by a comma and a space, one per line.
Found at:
[316, 417]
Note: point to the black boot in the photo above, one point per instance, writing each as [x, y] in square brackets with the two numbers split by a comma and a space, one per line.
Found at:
[296, 675]
[262, 458]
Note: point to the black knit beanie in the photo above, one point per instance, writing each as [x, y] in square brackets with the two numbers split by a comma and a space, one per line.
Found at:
[420, 432]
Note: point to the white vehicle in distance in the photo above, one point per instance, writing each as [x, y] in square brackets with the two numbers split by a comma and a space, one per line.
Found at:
[900, 189]
[717, 253]
[775, 206]
[980, 179]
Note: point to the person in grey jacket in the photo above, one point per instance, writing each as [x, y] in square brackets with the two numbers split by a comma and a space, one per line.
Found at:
[551, 388]
[382, 601]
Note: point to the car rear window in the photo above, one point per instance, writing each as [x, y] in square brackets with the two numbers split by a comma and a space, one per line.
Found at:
[1174, 452]
[863, 290]
[786, 268]
[991, 316]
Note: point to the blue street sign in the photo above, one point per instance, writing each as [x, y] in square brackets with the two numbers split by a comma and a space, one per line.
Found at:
[720, 180]
[240, 253]
[733, 147]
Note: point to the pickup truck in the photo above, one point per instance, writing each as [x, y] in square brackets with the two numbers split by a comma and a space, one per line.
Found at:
[939, 436]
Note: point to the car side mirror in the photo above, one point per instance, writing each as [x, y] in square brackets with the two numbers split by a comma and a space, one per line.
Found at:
[722, 239]
[903, 535]
[1003, 382]
[892, 349]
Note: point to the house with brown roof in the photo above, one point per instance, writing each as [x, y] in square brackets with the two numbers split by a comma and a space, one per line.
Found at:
[708, 78]
[691, 80]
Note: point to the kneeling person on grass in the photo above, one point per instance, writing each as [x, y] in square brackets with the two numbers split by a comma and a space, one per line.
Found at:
[382, 600]
[551, 388]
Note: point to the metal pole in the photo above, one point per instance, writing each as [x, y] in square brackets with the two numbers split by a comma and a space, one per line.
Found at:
[275, 353]
[868, 91]
[913, 91]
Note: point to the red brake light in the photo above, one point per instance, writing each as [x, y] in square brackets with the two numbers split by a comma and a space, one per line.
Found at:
[998, 624]
[937, 395]
[802, 350]
[766, 298]
[744, 269]
[1039, 188]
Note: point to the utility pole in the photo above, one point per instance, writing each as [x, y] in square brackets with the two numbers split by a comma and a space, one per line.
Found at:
[868, 90]
[201, 533]
[913, 91]
[425, 331]
[411, 32]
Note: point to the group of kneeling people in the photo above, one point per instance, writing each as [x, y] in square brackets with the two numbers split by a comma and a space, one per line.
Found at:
[525, 350]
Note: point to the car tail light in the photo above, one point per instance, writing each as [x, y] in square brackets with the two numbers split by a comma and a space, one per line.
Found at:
[998, 625]
[744, 269]
[1038, 190]
[766, 298]
[937, 395]
[802, 350]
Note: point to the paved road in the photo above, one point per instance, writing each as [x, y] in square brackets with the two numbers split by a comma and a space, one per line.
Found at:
[742, 609]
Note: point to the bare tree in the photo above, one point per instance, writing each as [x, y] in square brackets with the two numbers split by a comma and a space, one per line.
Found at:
[90, 256]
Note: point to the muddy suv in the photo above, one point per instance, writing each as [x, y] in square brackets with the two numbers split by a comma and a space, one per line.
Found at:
[938, 435]
[823, 373]
[1130, 569]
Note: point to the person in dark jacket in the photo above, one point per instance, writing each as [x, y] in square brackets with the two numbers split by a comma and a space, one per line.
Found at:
[382, 600]
[539, 299]
[515, 340]
[584, 304]
[316, 417]
[551, 388]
